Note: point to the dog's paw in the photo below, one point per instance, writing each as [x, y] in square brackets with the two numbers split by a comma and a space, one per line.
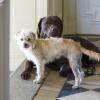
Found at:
[81, 77]
[25, 75]
[37, 81]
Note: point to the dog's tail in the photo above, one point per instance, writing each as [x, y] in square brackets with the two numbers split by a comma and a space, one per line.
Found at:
[91, 54]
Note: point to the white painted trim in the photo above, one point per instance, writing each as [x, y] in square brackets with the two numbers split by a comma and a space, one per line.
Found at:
[41, 9]
[69, 16]
[55, 8]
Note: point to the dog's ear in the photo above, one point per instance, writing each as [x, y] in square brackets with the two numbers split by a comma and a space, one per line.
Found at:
[34, 35]
[18, 33]
[39, 27]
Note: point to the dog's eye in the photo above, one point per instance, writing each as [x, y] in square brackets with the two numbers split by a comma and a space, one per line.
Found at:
[21, 39]
[28, 39]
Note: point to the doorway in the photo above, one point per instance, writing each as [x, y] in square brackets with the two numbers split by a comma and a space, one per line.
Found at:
[88, 16]
[81, 16]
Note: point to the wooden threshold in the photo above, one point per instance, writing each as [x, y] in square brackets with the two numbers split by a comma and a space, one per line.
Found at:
[51, 87]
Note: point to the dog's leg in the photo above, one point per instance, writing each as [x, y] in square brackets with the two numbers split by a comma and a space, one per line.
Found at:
[40, 72]
[81, 72]
[75, 72]
[26, 74]
[73, 64]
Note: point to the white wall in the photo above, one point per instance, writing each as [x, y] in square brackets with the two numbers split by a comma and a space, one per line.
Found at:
[22, 16]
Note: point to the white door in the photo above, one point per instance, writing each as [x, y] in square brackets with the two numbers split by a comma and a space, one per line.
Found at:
[88, 16]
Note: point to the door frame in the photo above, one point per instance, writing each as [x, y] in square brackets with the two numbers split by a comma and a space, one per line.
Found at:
[55, 8]
[69, 16]
[4, 51]
[66, 10]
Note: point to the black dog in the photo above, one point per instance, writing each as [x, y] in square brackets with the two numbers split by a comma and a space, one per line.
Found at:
[47, 27]
[52, 26]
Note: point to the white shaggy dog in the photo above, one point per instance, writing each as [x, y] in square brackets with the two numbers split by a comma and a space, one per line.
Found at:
[42, 51]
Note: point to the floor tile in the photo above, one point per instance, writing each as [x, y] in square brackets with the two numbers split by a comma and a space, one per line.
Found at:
[88, 95]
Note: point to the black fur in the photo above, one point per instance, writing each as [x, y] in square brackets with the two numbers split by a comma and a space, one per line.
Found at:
[50, 26]
[45, 30]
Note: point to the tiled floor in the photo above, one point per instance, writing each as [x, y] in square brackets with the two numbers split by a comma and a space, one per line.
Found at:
[54, 83]
[90, 86]
[88, 95]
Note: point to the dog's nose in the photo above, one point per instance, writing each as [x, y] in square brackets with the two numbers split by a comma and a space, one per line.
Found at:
[26, 45]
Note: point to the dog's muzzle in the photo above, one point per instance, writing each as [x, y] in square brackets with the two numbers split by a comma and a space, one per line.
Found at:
[26, 45]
